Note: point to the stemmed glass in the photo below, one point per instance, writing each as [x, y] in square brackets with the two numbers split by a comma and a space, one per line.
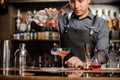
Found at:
[54, 52]
[62, 52]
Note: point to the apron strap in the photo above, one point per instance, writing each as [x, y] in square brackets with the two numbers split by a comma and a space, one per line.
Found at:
[69, 16]
[93, 28]
[94, 21]
[67, 21]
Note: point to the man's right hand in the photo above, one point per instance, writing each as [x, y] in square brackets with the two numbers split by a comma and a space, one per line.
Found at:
[53, 13]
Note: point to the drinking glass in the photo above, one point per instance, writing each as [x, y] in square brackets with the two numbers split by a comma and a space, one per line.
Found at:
[62, 52]
[54, 52]
[95, 65]
[86, 49]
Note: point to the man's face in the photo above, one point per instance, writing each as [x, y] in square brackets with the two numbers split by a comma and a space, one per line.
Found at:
[80, 7]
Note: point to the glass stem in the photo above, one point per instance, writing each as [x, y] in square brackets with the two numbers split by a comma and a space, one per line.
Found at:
[55, 59]
[62, 62]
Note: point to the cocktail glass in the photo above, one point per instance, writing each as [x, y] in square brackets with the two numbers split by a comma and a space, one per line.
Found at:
[54, 52]
[62, 52]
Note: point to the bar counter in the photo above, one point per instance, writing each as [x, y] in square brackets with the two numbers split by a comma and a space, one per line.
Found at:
[58, 74]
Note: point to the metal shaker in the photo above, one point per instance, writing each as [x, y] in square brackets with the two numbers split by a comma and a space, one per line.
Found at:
[20, 56]
[6, 54]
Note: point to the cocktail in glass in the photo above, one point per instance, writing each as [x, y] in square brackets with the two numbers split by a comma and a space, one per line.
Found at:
[95, 65]
[62, 52]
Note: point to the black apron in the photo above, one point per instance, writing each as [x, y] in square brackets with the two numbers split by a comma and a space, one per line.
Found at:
[74, 38]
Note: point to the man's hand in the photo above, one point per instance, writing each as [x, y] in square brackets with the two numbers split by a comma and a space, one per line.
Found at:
[74, 62]
[53, 14]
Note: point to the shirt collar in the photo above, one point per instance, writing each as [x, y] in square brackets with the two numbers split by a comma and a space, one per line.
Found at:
[90, 15]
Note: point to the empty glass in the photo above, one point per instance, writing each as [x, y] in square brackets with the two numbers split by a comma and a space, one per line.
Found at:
[54, 52]
[86, 49]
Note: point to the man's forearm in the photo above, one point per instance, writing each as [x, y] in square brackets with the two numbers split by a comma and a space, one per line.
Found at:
[103, 56]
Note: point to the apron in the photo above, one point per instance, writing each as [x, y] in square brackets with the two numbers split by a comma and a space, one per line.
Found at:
[74, 38]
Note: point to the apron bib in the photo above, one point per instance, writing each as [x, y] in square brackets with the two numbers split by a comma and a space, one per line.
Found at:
[74, 38]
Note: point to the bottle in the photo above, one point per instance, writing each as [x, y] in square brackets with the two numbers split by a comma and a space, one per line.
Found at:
[104, 16]
[3, 6]
[40, 61]
[96, 13]
[21, 56]
[23, 26]
[115, 21]
[18, 20]
[115, 30]
[119, 21]
[109, 21]
[28, 20]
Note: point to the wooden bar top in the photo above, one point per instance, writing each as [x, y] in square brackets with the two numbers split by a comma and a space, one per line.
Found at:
[57, 74]
[54, 78]
[64, 70]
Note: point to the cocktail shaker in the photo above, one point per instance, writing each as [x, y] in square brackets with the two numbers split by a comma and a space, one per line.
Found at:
[6, 56]
[20, 56]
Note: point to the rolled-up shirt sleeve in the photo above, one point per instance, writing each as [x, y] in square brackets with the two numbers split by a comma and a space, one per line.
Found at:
[103, 42]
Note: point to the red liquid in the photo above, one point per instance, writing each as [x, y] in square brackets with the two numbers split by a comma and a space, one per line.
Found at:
[95, 66]
[63, 54]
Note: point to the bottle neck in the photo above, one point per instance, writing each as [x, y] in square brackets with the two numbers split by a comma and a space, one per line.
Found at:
[22, 46]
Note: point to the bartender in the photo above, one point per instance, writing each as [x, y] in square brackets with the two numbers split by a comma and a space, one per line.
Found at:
[79, 26]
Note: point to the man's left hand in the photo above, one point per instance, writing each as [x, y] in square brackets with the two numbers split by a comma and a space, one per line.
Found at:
[74, 62]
